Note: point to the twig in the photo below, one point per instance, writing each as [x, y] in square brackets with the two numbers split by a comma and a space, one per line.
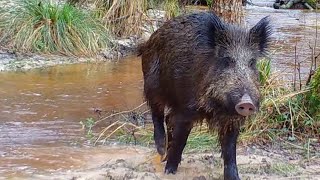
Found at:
[295, 67]
[311, 71]
[119, 19]
[291, 120]
[299, 73]
[119, 113]
[104, 130]
[315, 44]
[105, 139]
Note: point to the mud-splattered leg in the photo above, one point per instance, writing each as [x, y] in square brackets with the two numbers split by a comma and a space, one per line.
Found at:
[159, 132]
[183, 123]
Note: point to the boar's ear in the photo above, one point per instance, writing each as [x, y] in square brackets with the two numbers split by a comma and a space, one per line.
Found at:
[217, 30]
[260, 34]
[217, 24]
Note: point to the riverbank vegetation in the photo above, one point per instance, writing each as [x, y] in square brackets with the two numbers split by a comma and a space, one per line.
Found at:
[45, 27]
[74, 27]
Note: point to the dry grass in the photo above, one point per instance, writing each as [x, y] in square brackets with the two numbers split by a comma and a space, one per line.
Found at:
[172, 8]
[123, 17]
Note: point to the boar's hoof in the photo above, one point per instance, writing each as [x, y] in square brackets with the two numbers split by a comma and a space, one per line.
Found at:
[245, 107]
[161, 149]
[170, 170]
[232, 178]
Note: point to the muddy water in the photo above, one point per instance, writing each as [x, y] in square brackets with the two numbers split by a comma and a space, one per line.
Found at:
[41, 109]
[294, 32]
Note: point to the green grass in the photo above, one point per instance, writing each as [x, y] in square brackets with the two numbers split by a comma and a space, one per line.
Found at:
[264, 67]
[201, 140]
[41, 26]
[88, 125]
[313, 98]
[209, 3]
[312, 3]
[274, 168]
[172, 8]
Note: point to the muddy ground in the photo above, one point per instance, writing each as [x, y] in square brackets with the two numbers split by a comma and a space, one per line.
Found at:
[136, 162]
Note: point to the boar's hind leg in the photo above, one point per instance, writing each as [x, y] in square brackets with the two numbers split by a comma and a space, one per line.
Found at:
[228, 138]
[158, 124]
[182, 127]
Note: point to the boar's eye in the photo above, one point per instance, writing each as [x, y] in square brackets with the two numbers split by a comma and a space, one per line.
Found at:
[227, 62]
[252, 63]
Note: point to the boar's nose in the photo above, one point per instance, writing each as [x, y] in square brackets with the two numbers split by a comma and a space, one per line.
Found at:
[245, 107]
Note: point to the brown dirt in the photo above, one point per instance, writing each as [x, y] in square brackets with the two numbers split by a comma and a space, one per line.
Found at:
[135, 162]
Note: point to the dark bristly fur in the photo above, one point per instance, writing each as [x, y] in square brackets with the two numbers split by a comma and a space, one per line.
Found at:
[200, 67]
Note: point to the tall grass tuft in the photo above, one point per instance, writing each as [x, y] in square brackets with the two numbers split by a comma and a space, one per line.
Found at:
[172, 8]
[42, 26]
[264, 67]
[312, 3]
[313, 100]
[209, 3]
[123, 17]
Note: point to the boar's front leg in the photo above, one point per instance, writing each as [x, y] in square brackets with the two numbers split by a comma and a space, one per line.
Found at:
[183, 123]
[228, 135]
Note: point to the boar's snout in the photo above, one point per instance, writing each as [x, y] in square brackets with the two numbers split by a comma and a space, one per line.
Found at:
[245, 107]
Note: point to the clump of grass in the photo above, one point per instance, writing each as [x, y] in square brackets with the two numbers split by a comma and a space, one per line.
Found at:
[42, 26]
[123, 17]
[3, 19]
[201, 140]
[312, 3]
[209, 3]
[172, 8]
[88, 125]
[313, 97]
[264, 67]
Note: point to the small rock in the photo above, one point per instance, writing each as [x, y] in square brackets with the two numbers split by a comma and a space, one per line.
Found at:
[191, 161]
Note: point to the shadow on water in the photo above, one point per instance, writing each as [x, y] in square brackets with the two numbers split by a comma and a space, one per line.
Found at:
[41, 109]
